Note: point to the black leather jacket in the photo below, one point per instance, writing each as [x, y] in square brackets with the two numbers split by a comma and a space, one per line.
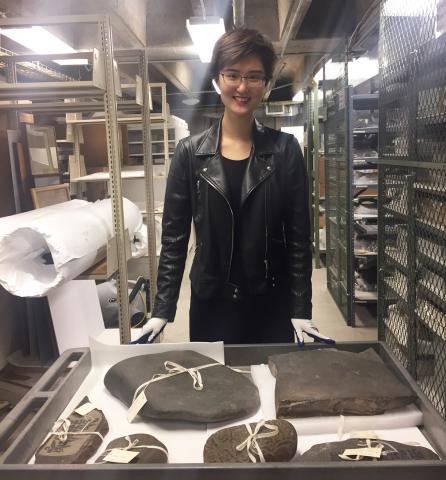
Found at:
[274, 221]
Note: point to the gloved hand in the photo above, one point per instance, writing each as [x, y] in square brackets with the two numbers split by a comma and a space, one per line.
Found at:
[300, 326]
[151, 330]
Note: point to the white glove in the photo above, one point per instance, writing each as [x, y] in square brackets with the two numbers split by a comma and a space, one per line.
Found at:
[151, 330]
[301, 325]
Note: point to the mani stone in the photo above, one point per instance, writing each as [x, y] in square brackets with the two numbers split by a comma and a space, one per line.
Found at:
[329, 452]
[145, 455]
[221, 446]
[226, 395]
[333, 382]
[76, 448]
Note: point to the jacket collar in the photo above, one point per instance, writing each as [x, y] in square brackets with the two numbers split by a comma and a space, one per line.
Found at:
[263, 143]
[260, 165]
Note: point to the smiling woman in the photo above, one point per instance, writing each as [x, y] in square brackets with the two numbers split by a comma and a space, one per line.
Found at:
[245, 188]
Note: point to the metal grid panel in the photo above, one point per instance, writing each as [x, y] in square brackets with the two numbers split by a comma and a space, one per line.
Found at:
[337, 188]
[412, 192]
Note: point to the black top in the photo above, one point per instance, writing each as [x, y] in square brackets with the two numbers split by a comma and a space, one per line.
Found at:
[235, 171]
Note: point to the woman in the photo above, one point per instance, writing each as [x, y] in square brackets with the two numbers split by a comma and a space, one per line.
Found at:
[245, 187]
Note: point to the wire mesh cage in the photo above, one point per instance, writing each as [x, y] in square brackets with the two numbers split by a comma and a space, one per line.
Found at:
[412, 190]
[337, 190]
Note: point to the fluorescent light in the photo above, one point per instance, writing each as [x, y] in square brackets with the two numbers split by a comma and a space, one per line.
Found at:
[204, 33]
[299, 97]
[39, 40]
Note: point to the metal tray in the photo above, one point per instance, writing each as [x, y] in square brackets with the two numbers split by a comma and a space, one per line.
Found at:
[40, 408]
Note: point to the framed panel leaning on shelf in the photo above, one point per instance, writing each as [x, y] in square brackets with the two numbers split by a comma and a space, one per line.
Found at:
[412, 192]
[104, 86]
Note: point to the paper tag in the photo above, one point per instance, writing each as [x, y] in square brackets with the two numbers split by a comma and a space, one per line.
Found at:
[85, 409]
[372, 452]
[364, 435]
[120, 456]
[136, 406]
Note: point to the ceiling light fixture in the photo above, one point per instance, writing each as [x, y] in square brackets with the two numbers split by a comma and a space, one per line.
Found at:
[204, 32]
[39, 40]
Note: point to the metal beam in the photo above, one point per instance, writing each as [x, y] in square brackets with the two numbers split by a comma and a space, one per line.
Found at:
[172, 78]
[294, 20]
[297, 13]
[311, 46]
[238, 9]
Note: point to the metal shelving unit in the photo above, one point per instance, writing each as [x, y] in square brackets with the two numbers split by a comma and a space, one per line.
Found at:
[350, 166]
[98, 94]
[412, 186]
[338, 193]
[311, 155]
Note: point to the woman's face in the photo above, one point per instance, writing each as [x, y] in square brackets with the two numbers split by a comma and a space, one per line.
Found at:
[241, 96]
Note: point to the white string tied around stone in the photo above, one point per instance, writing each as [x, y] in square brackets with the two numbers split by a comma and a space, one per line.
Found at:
[251, 444]
[131, 445]
[65, 424]
[173, 369]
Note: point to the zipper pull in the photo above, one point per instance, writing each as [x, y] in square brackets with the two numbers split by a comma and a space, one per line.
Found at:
[198, 187]
[266, 268]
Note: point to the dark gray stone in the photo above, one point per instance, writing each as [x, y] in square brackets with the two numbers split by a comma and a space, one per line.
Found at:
[226, 394]
[333, 382]
[146, 455]
[329, 452]
[221, 446]
[76, 448]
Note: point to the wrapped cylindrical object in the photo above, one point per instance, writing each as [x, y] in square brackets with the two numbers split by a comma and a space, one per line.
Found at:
[45, 247]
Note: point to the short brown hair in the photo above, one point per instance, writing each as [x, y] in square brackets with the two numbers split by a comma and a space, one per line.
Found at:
[232, 46]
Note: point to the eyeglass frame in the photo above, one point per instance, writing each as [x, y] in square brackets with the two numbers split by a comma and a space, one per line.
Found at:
[263, 80]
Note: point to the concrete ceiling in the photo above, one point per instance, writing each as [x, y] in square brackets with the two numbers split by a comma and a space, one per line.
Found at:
[303, 31]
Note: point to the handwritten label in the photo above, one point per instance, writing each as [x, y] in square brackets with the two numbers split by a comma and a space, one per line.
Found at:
[85, 409]
[120, 456]
[136, 406]
[371, 452]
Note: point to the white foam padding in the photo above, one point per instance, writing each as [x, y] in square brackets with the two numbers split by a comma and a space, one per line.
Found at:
[74, 233]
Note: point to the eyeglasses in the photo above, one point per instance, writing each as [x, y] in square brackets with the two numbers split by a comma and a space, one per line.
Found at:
[235, 79]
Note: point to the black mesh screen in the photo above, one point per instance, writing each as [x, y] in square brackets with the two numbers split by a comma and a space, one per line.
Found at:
[412, 191]
[337, 185]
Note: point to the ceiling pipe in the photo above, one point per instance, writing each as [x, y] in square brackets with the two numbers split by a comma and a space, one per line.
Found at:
[238, 9]
[295, 18]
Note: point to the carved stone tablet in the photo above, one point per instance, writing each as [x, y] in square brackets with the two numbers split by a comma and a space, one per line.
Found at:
[139, 443]
[75, 448]
[332, 382]
[226, 394]
[221, 446]
[329, 452]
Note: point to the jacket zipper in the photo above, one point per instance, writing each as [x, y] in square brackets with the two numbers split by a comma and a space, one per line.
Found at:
[228, 276]
[266, 234]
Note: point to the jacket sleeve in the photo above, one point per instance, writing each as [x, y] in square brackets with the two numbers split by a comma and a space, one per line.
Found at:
[297, 232]
[176, 223]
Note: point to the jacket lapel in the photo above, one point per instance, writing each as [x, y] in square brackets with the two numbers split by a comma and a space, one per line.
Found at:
[261, 162]
[260, 166]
